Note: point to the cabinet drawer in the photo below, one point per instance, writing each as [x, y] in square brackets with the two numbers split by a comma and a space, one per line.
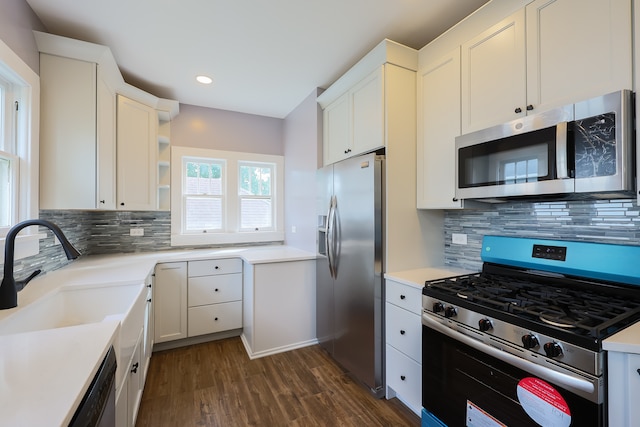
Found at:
[214, 266]
[404, 331]
[404, 296]
[208, 319]
[404, 376]
[205, 290]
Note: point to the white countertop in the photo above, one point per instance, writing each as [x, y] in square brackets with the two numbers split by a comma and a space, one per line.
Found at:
[417, 277]
[45, 374]
[625, 341]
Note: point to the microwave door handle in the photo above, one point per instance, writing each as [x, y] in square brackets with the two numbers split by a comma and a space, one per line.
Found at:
[561, 151]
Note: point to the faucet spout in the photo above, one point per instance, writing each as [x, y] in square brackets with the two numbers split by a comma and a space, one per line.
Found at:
[8, 288]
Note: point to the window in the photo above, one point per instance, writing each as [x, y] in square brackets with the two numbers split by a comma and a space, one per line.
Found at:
[225, 197]
[19, 109]
[203, 198]
[255, 190]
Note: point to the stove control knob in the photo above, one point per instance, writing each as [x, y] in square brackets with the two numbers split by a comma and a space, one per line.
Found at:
[450, 312]
[485, 325]
[553, 349]
[438, 307]
[530, 341]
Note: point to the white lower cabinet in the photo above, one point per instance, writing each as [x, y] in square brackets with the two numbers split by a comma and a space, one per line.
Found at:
[279, 307]
[170, 305]
[403, 334]
[130, 394]
[215, 296]
[623, 388]
[404, 375]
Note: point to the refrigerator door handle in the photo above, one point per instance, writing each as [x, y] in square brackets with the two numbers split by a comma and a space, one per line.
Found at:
[329, 236]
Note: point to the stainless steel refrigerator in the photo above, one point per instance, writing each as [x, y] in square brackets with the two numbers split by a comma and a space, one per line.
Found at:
[349, 271]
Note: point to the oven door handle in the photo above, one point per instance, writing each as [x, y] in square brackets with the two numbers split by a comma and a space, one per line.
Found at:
[563, 380]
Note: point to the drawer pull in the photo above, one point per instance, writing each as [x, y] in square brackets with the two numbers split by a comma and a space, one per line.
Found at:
[638, 371]
[401, 332]
[216, 267]
[215, 318]
[134, 368]
[402, 297]
[149, 300]
[216, 290]
[402, 377]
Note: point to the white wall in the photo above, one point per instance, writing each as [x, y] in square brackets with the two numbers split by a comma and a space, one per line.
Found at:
[303, 155]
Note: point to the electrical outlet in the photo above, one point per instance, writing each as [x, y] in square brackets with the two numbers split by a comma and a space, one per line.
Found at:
[459, 239]
[293, 229]
[136, 232]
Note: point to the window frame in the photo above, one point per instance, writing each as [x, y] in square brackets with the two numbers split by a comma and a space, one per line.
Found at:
[25, 89]
[231, 233]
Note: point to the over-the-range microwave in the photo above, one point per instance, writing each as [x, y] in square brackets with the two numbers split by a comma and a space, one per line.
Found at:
[582, 150]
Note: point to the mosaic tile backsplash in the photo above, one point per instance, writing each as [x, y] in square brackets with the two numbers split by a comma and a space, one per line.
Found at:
[98, 232]
[611, 221]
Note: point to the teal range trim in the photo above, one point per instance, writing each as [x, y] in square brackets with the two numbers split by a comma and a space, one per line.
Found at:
[601, 261]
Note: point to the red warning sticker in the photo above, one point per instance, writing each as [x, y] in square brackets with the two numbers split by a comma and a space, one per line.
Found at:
[543, 403]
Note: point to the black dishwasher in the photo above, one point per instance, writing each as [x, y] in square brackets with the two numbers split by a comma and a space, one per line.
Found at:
[98, 406]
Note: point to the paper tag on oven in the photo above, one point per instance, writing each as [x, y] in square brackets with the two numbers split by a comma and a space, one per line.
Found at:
[477, 417]
[543, 403]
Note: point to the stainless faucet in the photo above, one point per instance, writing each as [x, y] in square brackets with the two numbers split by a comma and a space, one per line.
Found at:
[10, 287]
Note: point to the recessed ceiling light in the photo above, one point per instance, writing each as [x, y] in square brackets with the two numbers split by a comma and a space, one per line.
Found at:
[204, 80]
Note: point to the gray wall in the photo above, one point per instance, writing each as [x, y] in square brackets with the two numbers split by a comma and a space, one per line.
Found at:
[17, 22]
[303, 155]
[607, 221]
[202, 127]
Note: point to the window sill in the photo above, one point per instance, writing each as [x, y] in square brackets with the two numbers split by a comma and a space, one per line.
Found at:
[225, 238]
[25, 245]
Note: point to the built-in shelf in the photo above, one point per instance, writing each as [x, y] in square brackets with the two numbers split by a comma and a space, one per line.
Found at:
[164, 161]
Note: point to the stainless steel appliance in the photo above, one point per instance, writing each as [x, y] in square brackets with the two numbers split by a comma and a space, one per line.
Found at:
[98, 406]
[349, 266]
[520, 343]
[577, 151]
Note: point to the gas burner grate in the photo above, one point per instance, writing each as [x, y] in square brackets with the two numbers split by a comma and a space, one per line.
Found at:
[592, 312]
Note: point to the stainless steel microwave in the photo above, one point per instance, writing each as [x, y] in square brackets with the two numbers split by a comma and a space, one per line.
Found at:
[582, 150]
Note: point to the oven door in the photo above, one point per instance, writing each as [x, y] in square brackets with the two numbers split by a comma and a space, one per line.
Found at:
[463, 386]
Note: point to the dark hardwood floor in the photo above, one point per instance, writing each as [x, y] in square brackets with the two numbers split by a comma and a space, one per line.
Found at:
[215, 384]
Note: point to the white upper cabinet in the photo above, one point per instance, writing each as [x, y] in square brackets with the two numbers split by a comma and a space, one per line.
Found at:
[577, 49]
[137, 144]
[356, 107]
[568, 51]
[97, 152]
[354, 123]
[493, 75]
[77, 142]
[438, 126]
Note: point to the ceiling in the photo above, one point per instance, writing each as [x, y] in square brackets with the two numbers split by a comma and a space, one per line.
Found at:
[265, 57]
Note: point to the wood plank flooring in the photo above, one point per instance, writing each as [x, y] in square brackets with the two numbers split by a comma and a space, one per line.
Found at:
[216, 384]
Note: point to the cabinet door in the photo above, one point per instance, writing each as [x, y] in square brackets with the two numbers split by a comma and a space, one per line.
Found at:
[67, 133]
[438, 126]
[493, 75]
[136, 153]
[577, 49]
[106, 146]
[367, 113]
[170, 302]
[337, 133]
[134, 389]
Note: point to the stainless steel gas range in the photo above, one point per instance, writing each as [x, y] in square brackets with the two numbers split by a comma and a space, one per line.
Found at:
[520, 343]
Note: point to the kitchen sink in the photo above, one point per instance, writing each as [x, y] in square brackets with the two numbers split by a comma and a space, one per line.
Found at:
[72, 306]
